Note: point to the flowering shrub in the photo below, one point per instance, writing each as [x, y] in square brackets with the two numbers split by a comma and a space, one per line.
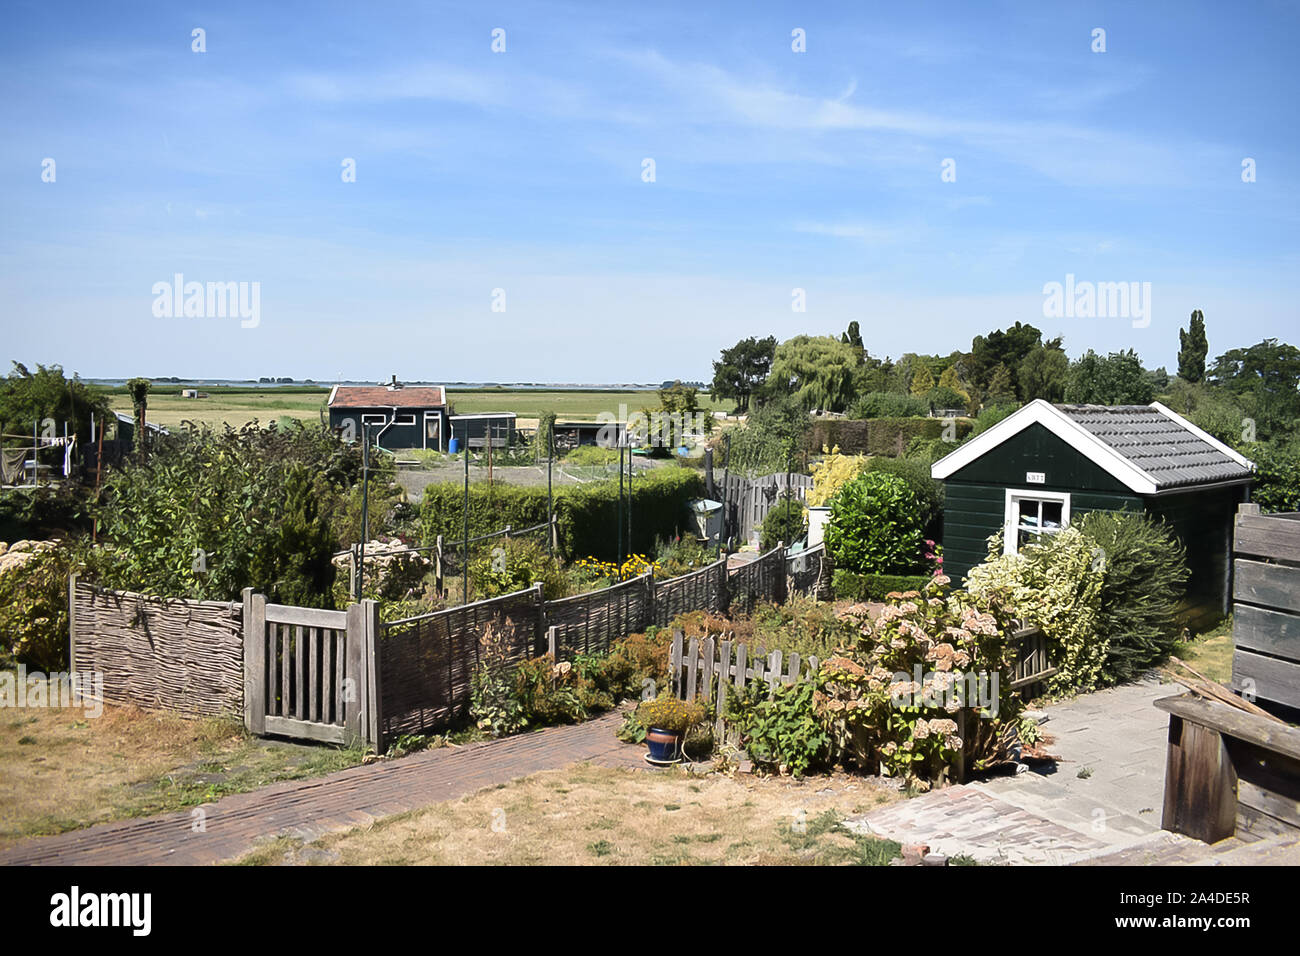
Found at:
[912, 726]
[670, 714]
[832, 473]
[1055, 586]
[604, 573]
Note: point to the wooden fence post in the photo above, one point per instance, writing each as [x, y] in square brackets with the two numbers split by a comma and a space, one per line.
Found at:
[675, 664]
[374, 728]
[254, 662]
[724, 674]
[355, 680]
[437, 568]
[553, 642]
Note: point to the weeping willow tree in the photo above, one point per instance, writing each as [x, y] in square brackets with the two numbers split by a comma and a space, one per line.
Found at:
[817, 370]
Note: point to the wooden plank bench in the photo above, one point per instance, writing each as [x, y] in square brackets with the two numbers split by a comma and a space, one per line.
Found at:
[1229, 772]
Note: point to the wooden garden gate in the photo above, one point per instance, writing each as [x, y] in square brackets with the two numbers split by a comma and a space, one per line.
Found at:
[309, 673]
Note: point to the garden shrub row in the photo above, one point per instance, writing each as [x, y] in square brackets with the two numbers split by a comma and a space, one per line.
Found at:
[879, 436]
[1105, 591]
[586, 515]
[851, 586]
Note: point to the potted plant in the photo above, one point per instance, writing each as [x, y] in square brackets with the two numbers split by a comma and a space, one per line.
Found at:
[667, 720]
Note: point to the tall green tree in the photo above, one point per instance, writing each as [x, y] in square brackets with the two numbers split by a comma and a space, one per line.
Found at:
[742, 369]
[1115, 379]
[28, 399]
[853, 337]
[1192, 349]
[1007, 348]
[1268, 372]
[1044, 373]
[818, 370]
[138, 388]
[1001, 389]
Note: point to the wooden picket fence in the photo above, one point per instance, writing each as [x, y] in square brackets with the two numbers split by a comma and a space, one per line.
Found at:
[698, 667]
[748, 500]
[708, 669]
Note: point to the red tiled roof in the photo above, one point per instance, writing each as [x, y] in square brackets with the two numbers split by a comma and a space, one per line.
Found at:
[381, 396]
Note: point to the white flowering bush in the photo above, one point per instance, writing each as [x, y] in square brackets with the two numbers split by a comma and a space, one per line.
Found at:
[1056, 586]
[943, 638]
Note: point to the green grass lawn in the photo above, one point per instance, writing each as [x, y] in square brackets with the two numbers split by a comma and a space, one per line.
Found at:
[1210, 653]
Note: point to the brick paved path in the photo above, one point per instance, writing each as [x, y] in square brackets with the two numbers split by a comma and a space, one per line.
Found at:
[310, 808]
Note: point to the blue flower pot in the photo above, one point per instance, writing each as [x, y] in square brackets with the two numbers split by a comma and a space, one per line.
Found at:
[663, 746]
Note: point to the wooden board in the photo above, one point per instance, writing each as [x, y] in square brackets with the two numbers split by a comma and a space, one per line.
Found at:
[1200, 783]
[1269, 632]
[1274, 680]
[1274, 586]
[1250, 728]
[1267, 536]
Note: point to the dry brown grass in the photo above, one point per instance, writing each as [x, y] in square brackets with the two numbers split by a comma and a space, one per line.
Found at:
[60, 770]
[593, 815]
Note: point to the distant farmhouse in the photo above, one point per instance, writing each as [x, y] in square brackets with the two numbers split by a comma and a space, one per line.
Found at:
[1033, 471]
[397, 416]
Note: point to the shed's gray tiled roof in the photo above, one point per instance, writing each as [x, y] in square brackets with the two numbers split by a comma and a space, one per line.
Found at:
[1162, 447]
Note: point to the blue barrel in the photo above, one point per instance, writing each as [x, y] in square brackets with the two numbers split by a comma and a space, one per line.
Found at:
[453, 446]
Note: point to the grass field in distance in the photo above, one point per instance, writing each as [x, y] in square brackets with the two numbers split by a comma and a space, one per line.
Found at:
[236, 406]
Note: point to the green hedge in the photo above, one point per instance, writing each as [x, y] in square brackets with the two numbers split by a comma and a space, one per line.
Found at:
[850, 586]
[878, 436]
[586, 515]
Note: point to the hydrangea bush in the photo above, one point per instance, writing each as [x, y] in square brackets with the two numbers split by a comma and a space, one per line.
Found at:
[919, 728]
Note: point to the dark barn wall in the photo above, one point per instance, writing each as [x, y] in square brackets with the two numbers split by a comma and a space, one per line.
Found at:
[972, 512]
[395, 437]
[975, 496]
[1203, 521]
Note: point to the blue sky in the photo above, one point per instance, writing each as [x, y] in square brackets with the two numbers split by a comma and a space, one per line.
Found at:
[522, 171]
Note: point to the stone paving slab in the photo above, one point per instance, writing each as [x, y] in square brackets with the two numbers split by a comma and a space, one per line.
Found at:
[1118, 735]
[358, 796]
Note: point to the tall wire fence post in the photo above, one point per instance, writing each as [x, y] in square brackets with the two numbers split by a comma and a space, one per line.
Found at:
[550, 505]
[618, 514]
[464, 597]
[365, 509]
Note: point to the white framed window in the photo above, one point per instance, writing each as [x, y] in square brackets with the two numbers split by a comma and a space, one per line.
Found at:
[1030, 514]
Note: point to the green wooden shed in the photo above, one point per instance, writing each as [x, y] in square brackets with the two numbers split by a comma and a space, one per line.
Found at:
[1033, 471]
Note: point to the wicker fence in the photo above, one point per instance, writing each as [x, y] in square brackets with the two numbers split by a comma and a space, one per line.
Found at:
[193, 657]
[159, 654]
[426, 663]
